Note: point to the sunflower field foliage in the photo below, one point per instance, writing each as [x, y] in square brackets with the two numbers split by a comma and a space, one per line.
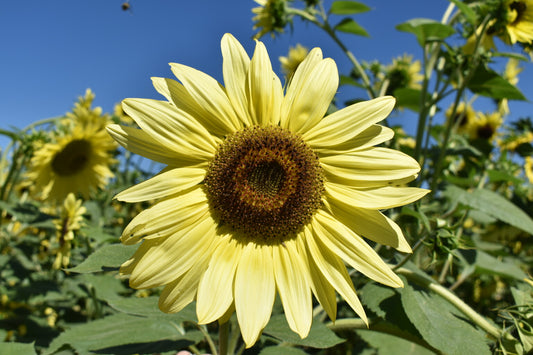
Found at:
[266, 215]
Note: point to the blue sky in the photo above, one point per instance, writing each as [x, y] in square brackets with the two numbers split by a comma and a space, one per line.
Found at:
[51, 51]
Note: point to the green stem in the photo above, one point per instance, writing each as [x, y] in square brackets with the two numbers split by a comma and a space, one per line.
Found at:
[208, 338]
[449, 296]
[223, 334]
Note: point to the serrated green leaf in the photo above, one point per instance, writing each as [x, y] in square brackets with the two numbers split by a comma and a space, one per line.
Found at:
[350, 26]
[438, 326]
[373, 295]
[348, 8]
[109, 256]
[389, 344]
[470, 15]
[16, 349]
[278, 350]
[118, 332]
[488, 83]
[493, 204]
[320, 336]
[426, 30]
[487, 264]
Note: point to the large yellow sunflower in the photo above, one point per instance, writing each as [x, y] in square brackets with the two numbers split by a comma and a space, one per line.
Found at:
[77, 161]
[262, 193]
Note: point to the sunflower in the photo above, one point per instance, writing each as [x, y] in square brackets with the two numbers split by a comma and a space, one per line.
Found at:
[484, 126]
[403, 73]
[270, 17]
[520, 21]
[70, 219]
[77, 161]
[293, 59]
[464, 115]
[262, 193]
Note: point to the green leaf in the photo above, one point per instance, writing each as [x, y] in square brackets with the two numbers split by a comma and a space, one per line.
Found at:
[16, 349]
[389, 344]
[348, 8]
[485, 263]
[493, 204]
[470, 15]
[348, 80]
[439, 327]
[285, 350]
[488, 83]
[408, 98]
[125, 334]
[320, 336]
[350, 26]
[149, 307]
[373, 295]
[499, 176]
[426, 30]
[109, 256]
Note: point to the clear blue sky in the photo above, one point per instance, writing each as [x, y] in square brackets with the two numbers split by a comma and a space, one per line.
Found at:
[51, 51]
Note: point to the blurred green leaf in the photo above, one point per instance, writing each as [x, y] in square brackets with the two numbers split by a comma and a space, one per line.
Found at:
[320, 336]
[123, 334]
[16, 349]
[107, 257]
[470, 15]
[350, 26]
[439, 327]
[493, 204]
[485, 263]
[348, 8]
[389, 344]
[426, 30]
[408, 98]
[285, 350]
[347, 80]
[488, 83]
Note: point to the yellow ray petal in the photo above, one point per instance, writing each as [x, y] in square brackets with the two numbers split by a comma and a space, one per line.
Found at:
[173, 130]
[166, 183]
[215, 291]
[353, 249]
[322, 289]
[180, 97]
[164, 218]
[374, 198]
[139, 142]
[313, 92]
[263, 90]
[292, 280]
[255, 289]
[208, 93]
[235, 66]
[182, 291]
[371, 224]
[172, 257]
[335, 272]
[373, 135]
[343, 125]
[371, 167]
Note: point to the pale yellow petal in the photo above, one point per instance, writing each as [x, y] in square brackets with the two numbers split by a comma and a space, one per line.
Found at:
[293, 284]
[353, 249]
[180, 97]
[309, 96]
[263, 89]
[171, 257]
[304, 68]
[371, 224]
[208, 93]
[374, 198]
[182, 291]
[371, 167]
[255, 290]
[215, 291]
[372, 136]
[322, 289]
[177, 132]
[235, 66]
[167, 183]
[333, 269]
[139, 142]
[166, 217]
[345, 124]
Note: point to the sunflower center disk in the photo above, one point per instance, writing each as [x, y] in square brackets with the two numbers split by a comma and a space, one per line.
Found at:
[265, 183]
[72, 159]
